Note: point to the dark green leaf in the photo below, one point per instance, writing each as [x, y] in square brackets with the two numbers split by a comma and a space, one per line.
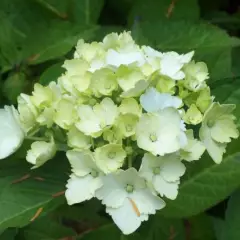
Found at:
[206, 184]
[46, 229]
[9, 234]
[155, 10]
[51, 74]
[211, 44]
[23, 200]
[14, 85]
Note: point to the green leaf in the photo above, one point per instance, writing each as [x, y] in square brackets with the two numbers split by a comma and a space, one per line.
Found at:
[155, 10]
[230, 226]
[61, 39]
[156, 228]
[14, 85]
[201, 227]
[9, 234]
[46, 229]
[86, 11]
[90, 213]
[25, 194]
[211, 44]
[51, 74]
[205, 185]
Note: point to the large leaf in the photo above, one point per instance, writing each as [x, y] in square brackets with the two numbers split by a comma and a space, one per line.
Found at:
[46, 229]
[206, 184]
[230, 227]
[210, 43]
[156, 228]
[26, 194]
[154, 10]
[9, 234]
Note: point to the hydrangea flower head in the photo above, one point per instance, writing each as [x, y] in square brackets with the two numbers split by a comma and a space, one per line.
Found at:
[127, 116]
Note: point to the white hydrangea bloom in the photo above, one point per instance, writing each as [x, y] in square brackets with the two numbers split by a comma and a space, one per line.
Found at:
[172, 63]
[41, 152]
[127, 199]
[160, 133]
[153, 101]
[94, 119]
[85, 179]
[11, 132]
[163, 172]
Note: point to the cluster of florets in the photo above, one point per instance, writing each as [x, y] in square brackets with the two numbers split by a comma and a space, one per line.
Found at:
[125, 116]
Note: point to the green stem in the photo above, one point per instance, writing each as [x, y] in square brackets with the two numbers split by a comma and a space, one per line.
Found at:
[37, 138]
[129, 158]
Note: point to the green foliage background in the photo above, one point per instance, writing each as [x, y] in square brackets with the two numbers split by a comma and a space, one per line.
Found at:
[36, 36]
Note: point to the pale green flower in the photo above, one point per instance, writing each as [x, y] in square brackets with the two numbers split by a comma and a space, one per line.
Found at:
[113, 135]
[110, 157]
[127, 77]
[204, 99]
[217, 129]
[103, 82]
[93, 120]
[11, 132]
[45, 96]
[66, 113]
[127, 124]
[160, 133]
[165, 85]
[77, 139]
[76, 66]
[46, 117]
[193, 115]
[85, 179]
[137, 90]
[27, 112]
[41, 152]
[163, 172]
[128, 200]
[130, 105]
[195, 75]
[194, 148]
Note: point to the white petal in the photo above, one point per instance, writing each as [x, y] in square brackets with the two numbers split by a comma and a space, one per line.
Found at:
[81, 162]
[153, 101]
[172, 169]
[112, 193]
[80, 189]
[126, 218]
[116, 59]
[146, 202]
[11, 134]
[170, 190]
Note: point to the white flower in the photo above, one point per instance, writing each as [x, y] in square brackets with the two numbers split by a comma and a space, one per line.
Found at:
[11, 132]
[127, 199]
[94, 119]
[160, 133]
[163, 172]
[41, 152]
[85, 179]
[117, 59]
[153, 101]
[172, 64]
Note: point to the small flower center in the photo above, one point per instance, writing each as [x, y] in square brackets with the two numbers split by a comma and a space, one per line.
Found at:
[156, 170]
[129, 128]
[153, 137]
[129, 188]
[112, 155]
[210, 123]
[94, 173]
